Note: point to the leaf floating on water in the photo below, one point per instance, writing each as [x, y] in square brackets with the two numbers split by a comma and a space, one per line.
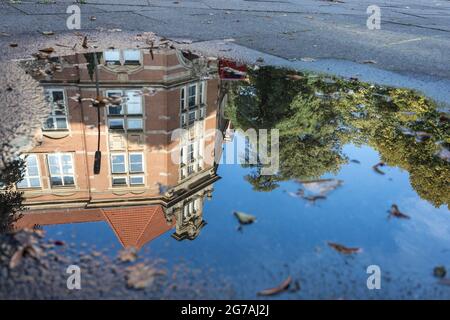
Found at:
[343, 249]
[376, 168]
[439, 272]
[244, 218]
[278, 289]
[395, 212]
[58, 243]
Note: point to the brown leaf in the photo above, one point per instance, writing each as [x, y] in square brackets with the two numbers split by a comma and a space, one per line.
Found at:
[84, 43]
[16, 258]
[343, 249]
[47, 50]
[395, 212]
[376, 168]
[278, 289]
[58, 243]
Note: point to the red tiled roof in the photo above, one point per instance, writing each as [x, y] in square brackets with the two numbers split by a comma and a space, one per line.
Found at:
[135, 226]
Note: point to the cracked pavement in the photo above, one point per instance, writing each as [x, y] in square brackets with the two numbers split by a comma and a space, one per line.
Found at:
[414, 38]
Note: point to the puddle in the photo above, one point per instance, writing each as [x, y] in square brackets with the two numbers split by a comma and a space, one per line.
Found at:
[145, 148]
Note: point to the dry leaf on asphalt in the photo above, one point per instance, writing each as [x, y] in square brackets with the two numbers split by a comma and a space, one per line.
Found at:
[278, 289]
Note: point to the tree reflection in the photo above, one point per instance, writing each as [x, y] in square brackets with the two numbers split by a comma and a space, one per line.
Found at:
[11, 199]
[318, 115]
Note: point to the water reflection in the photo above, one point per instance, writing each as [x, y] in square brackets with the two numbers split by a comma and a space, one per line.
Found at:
[318, 115]
[105, 151]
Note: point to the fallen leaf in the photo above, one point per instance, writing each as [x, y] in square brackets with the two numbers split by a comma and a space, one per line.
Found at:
[439, 271]
[343, 249]
[376, 168]
[278, 289]
[58, 243]
[244, 218]
[395, 212]
[47, 50]
[84, 43]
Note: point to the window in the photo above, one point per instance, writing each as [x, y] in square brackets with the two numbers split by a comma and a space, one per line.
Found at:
[112, 57]
[182, 98]
[191, 159]
[136, 162]
[190, 207]
[192, 95]
[31, 177]
[127, 169]
[125, 57]
[131, 57]
[128, 115]
[118, 164]
[202, 92]
[57, 119]
[60, 166]
[192, 116]
[192, 103]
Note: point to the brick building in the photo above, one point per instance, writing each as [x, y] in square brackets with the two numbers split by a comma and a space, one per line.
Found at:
[147, 182]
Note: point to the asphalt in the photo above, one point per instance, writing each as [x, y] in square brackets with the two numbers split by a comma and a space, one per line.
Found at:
[414, 37]
[411, 49]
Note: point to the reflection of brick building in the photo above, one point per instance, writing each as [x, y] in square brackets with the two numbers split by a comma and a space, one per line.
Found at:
[138, 182]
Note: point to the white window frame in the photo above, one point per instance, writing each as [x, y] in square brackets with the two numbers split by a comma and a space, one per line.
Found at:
[122, 61]
[128, 174]
[27, 176]
[124, 115]
[52, 115]
[61, 175]
[199, 107]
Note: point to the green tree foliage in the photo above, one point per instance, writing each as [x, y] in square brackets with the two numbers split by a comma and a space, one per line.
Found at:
[317, 115]
[10, 199]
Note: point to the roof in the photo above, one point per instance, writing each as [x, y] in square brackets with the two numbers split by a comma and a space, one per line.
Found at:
[133, 226]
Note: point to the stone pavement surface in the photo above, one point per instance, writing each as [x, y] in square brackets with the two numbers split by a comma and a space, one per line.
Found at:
[414, 38]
